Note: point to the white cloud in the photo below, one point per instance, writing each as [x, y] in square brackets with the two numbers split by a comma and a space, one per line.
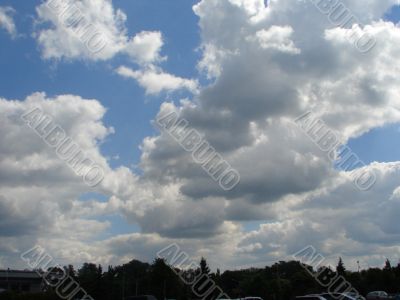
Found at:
[145, 47]
[258, 92]
[38, 188]
[277, 38]
[247, 113]
[40, 197]
[211, 60]
[95, 30]
[91, 30]
[155, 81]
[7, 21]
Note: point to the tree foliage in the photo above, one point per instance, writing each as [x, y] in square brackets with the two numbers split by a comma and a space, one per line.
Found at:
[340, 269]
[281, 281]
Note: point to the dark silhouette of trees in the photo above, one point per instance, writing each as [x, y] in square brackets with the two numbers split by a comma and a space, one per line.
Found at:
[164, 283]
[340, 269]
[204, 269]
[280, 281]
[388, 265]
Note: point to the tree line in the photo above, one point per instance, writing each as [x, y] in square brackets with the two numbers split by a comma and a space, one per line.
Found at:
[282, 281]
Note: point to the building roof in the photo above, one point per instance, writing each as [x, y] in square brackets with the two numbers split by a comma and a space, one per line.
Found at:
[19, 274]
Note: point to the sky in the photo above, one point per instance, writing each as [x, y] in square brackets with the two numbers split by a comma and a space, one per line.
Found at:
[240, 73]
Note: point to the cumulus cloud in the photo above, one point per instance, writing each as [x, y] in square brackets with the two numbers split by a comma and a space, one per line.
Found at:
[7, 21]
[92, 30]
[40, 196]
[277, 38]
[337, 220]
[145, 47]
[262, 87]
[96, 31]
[38, 190]
[155, 81]
[269, 65]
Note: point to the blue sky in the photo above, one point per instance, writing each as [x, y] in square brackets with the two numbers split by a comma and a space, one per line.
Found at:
[279, 183]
